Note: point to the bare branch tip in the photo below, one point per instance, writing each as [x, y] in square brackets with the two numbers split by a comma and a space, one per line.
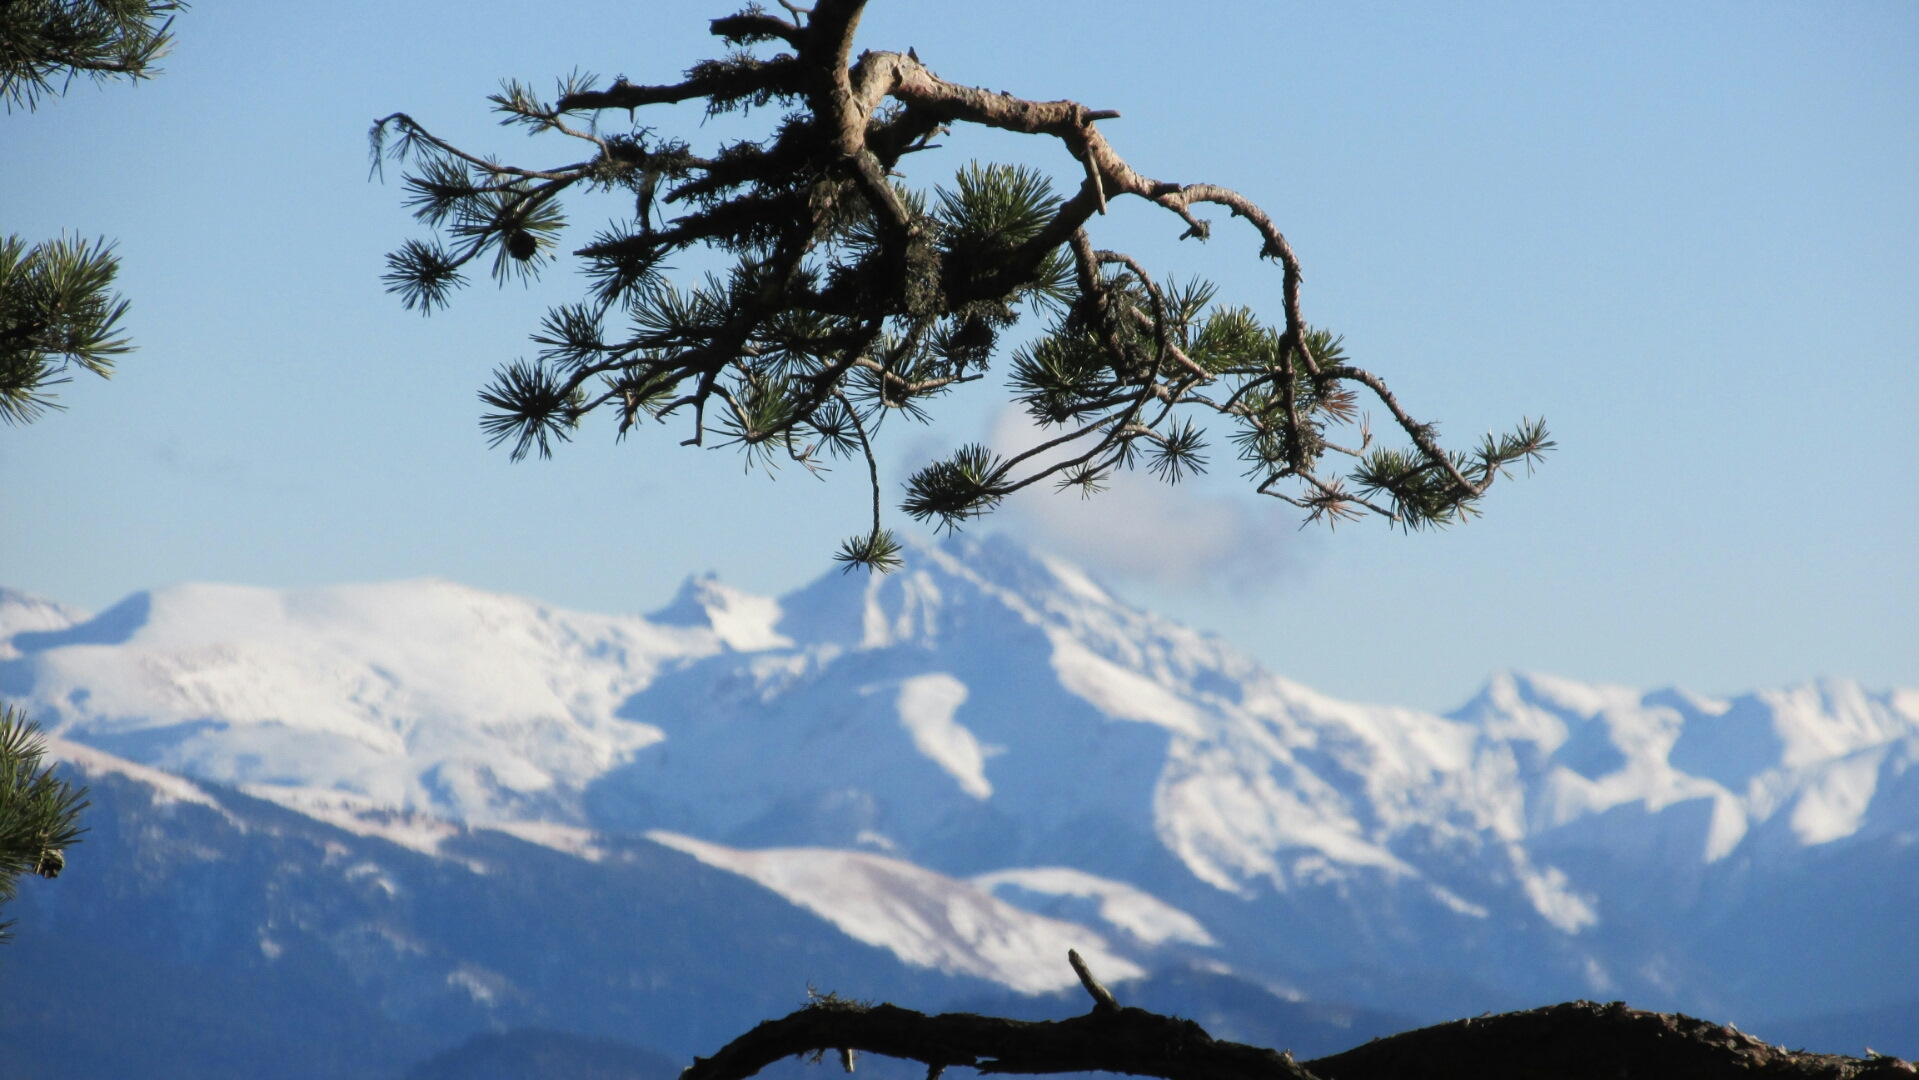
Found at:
[1103, 1000]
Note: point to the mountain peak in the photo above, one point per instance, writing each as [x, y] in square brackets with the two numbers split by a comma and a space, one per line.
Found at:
[22, 613]
[743, 621]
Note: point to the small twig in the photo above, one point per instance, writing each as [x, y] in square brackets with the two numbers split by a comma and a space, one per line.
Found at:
[1092, 177]
[1103, 1000]
[872, 463]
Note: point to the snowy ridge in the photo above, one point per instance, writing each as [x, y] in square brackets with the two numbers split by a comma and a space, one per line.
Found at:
[985, 727]
[739, 619]
[1788, 769]
[24, 613]
[413, 696]
[432, 697]
[924, 918]
[1146, 918]
[361, 816]
[166, 786]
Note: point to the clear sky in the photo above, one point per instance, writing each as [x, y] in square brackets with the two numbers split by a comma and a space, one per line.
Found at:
[1687, 234]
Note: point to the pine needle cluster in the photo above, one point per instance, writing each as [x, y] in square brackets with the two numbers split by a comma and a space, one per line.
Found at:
[44, 44]
[851, 298]
[39, 812]
[58, 311]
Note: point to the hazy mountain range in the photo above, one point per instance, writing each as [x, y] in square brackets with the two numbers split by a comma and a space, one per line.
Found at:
[415, 812]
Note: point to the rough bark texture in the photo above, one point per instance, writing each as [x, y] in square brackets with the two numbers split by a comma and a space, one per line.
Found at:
[1584, 1040]
[1111, 1040]
[1580, 1040]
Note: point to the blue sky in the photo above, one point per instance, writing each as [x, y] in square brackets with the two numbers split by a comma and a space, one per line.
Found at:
[1686, 234]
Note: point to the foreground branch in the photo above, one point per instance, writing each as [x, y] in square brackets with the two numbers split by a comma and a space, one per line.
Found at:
[45, 45]
[1108, 1039]
[1579, 1040]
[1584, 1040]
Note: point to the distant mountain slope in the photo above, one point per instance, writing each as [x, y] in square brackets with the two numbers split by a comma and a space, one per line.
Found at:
[24, 613]
[205, 934]
[533, 1054]
[422, 695]
[926, 919]
[991, 714]
[201, 928]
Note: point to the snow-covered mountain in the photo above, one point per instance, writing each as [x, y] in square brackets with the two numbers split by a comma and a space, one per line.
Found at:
[419, 695]
[919, 758]
[22, 613]
[216, 936]
[213, 935]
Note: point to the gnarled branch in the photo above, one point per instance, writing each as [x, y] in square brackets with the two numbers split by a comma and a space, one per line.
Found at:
[1108, 1039]
[849, 291]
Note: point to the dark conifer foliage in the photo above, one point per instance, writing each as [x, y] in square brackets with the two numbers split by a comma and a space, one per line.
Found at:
[58, 311]
[852, 297]
[39, 813]
[44, 44]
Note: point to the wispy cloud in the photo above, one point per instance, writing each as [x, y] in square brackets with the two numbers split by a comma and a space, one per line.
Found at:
[1143, 530]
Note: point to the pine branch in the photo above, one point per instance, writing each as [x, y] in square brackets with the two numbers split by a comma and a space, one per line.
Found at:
[57, 312]
[45, 44]
[39, 813]
[852, 297]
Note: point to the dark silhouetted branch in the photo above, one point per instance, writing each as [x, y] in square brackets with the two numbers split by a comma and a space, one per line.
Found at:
[1108, 1039]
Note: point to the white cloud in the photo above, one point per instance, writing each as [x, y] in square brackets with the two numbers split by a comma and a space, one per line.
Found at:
[1141, 529]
